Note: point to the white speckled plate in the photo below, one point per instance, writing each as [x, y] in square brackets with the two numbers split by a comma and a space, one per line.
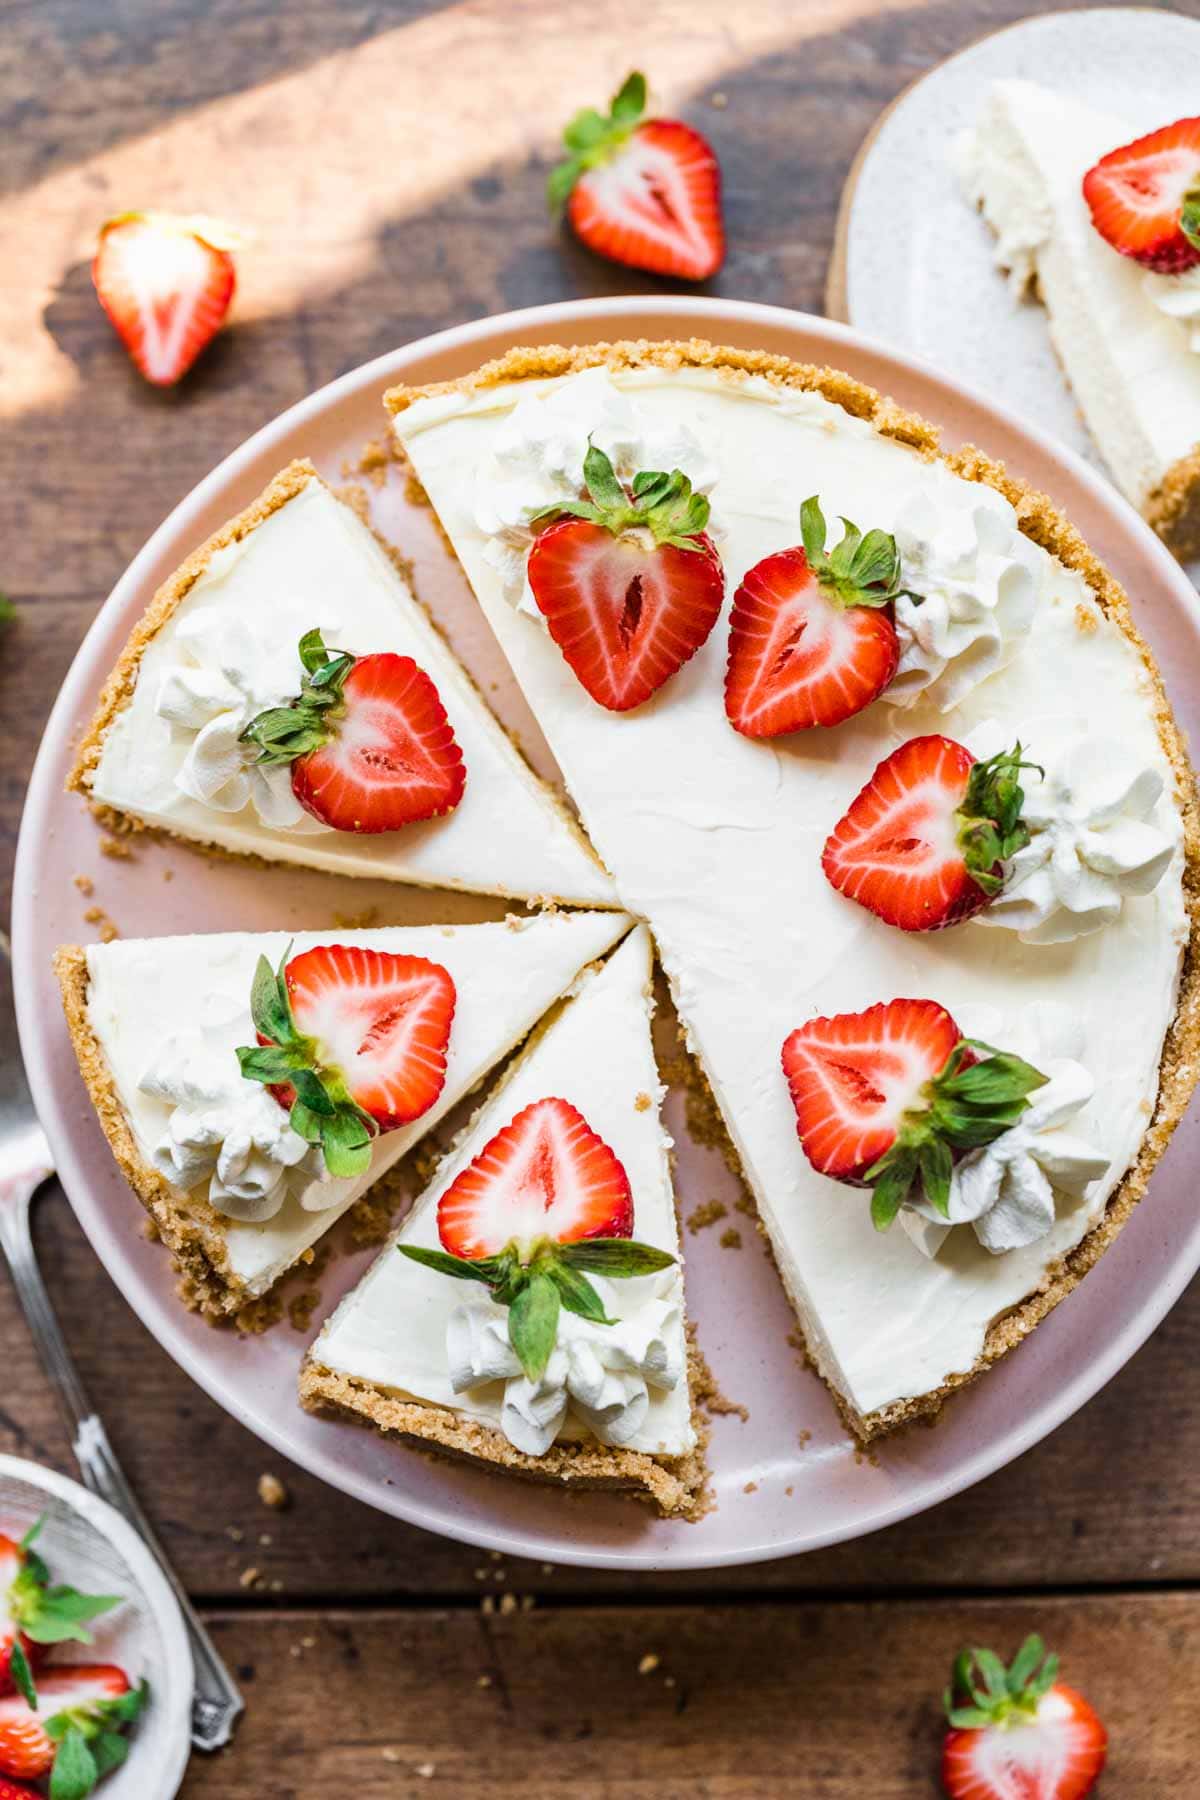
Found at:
[914, 260]
[786, 1478]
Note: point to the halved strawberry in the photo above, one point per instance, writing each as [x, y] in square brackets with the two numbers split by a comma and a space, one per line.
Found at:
[1019, 1733]
[166, 283]
[924, 843]
[368, 740]
[644, 192]
[544, 1202]
[352, 1042]
[34, 1613]
[629, 587]
[1144, 198]
[812, 638]
[886, 1097]
[76, 1730]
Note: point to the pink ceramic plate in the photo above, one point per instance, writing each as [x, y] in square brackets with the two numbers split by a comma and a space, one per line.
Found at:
[802, 1496]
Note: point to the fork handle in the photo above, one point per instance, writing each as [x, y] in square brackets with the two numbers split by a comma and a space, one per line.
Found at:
[216, 1701]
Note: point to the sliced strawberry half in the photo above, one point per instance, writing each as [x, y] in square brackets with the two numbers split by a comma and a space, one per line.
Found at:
[886, 1098]
[629, 585]
[353, 1042]
[75, 1731]
[544, 1203]
[644, 192]
[812, 638]
[925, 842]
[1144, 198]
[36, 1613]
[166, 283]
[367, 739]
[1019, 1733]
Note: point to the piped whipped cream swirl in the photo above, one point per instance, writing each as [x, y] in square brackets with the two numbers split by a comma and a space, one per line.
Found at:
[1007, 1190]
[1179, 297]
[1096, 839]
[229, 671]
[976, 581]
[229, 1132]
[538, 462]
[604, 1372]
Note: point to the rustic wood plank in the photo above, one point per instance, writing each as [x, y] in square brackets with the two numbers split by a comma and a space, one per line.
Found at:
[1114, 1496]
[791, 1700]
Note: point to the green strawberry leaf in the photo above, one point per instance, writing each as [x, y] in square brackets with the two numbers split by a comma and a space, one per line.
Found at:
[990, 827]
[663, 504]
[858, 571]
[593, 139]
[22, 1674]
[346, 1142]
[75, 1773]
[485, 1270]
[109, 1751]
[577, 1294]
[533, 1324]
[614, 1257]
[1189, 216]
[284, 733]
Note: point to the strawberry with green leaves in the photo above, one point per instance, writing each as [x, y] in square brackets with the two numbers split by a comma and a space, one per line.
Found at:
[925, 842]
[545, 1203]
[812, 636]
[367, 740]
[629, 584]
[644, 192]
[74, 1730]
[1018, 1733]
[35, 1612]
[1144, 198]
[351, 1042]
[889, 1098]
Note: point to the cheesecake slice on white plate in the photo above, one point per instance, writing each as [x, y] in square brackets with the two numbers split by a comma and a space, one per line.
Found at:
[529, 1312]
[974, 613]
[365, 751]
[1126, 331]
[236, 1193]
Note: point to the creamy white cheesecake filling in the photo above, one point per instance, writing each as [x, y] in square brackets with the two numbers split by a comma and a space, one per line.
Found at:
[171, 755]
[717, 840]
[1126, 337]
[506, 976]
[422, 1335]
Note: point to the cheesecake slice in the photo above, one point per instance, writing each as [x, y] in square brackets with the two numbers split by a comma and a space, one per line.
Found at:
[157, 1023]
[1128, 337]
[219, 646]
[1006, 625]
[569, 1143]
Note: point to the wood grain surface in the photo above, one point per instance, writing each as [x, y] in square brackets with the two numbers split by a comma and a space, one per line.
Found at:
[390, 159]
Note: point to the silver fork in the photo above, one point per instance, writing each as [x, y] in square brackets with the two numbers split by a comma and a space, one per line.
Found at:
[25, 1164]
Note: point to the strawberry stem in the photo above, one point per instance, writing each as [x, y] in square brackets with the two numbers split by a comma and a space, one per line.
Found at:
[1189, 216]
[990, 826]
[999, 1695]
[593, 138]
[965, 1106]
[665, 505]
[283, 733]
[858, 571]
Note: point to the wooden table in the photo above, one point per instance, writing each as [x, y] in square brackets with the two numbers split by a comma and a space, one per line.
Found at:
[391, 159]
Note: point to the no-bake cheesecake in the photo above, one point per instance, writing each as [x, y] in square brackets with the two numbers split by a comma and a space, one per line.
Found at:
[1124, 322]
[237, 1181]
[562, 1182]
[715, 754]
[286, 696]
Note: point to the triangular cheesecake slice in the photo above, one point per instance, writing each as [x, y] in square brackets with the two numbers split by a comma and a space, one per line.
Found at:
[157, 1024]
[1128, 336]
[715, 812]
[220, 646]
[567, 1150]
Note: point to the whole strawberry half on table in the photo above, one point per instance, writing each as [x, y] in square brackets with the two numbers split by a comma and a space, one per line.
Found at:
[545, 1203]
[644, 192]
[367, 740]
[351, 1042]
[166, 283]
[1019, 1733]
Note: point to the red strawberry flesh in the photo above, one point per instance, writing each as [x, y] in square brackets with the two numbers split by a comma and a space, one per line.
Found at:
[165, 289]
[853, 1077]
[1137, 196]
[798, 659]
[382, 1021]
[897, 851]
[656, 204]
[547, 1174]
[393, 759]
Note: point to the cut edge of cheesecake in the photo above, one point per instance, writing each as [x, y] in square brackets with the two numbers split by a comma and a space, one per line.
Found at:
[1172, 509]
[675, 1485]
[1046, 525]
[118, 689]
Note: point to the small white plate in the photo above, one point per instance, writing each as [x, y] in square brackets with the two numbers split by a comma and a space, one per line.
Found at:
[90, 1547]
[914, 260]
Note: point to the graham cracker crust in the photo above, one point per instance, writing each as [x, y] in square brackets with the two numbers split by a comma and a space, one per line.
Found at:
[118, 689]
[1173, 507]
[1044, 524]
